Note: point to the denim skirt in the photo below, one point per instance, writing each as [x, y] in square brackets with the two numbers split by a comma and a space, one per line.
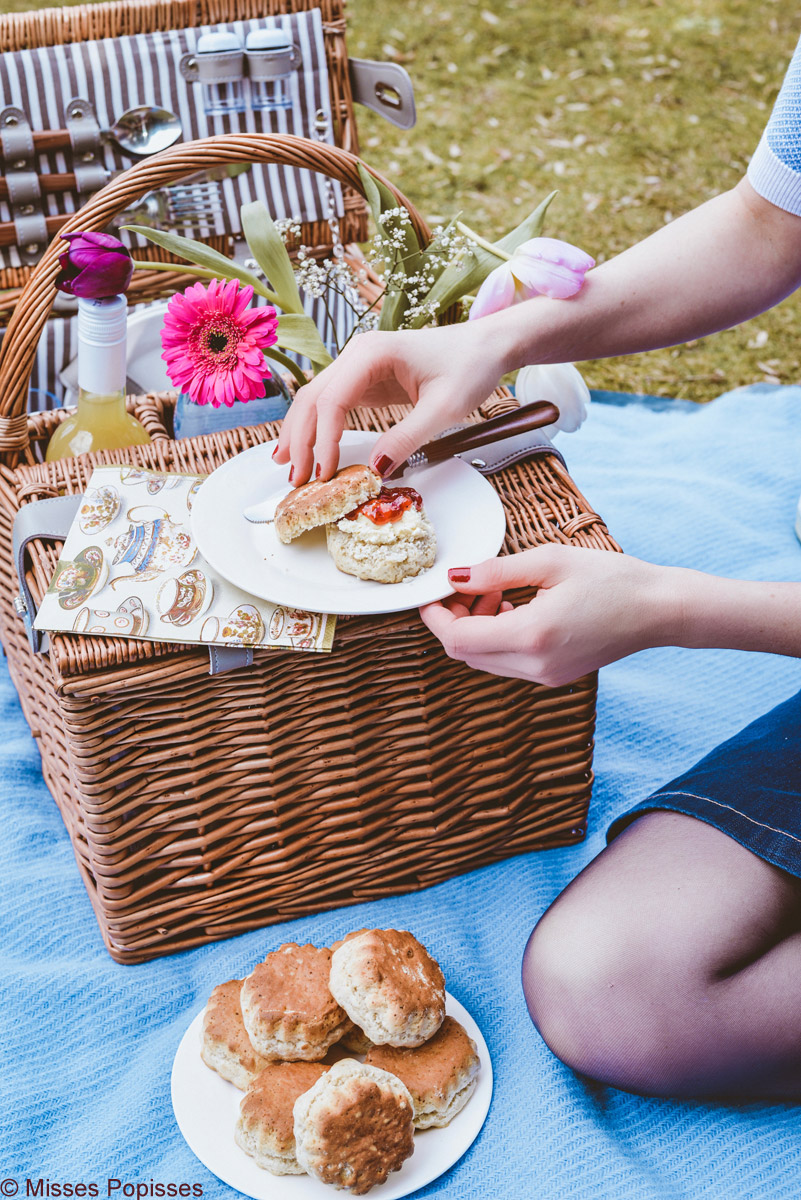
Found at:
[748, 787]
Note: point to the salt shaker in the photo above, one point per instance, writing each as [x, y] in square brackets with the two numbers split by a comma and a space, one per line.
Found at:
[271, 59]
[221, 68]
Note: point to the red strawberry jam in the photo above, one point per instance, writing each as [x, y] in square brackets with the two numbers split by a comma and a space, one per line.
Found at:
[389, 505]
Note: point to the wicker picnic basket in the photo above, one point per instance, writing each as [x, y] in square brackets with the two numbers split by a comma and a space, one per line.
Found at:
[199, 805]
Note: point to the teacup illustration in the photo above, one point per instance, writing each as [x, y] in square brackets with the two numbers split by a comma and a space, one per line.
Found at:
[151, 546]
[300, 627]
[183, 598]
[193, 491]
[153, 480]
[76, 579]
[242, 627]
[129, 620]
[100, 507]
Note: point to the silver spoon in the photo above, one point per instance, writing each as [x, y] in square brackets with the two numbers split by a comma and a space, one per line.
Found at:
[145, 130]
[138, 132]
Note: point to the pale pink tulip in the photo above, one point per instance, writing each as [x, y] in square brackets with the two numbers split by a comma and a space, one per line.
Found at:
[562, 384]
[541, 267]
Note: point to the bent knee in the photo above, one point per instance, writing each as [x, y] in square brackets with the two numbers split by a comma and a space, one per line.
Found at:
[595, 1000]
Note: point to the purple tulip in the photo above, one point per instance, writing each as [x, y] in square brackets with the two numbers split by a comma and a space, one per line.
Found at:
[540, 267]
[95, 266]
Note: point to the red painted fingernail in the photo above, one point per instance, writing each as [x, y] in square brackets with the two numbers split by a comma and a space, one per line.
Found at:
[383, 465]
[291, 473]
[459, 575]
[317, 471]
[275, 451]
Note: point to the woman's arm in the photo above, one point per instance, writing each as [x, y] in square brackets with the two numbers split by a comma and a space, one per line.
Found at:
[593, 607]
[720, 264]
[714, 267]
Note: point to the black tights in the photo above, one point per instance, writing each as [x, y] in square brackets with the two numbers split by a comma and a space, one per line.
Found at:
[671, 966]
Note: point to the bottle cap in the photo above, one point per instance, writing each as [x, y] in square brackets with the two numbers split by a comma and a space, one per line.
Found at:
[217, 43]
[102, 322]
[269, 39]
[102, 326]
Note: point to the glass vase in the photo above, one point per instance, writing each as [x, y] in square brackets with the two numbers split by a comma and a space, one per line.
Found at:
[192, 420]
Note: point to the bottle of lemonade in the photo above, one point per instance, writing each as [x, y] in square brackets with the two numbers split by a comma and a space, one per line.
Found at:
[101, 422]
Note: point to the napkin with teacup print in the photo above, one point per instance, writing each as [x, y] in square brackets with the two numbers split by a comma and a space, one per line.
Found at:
[130, 568]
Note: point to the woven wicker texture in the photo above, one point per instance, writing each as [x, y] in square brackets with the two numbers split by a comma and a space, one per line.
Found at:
[202, 806]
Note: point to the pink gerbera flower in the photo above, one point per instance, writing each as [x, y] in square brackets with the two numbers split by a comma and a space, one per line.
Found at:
[213, 344]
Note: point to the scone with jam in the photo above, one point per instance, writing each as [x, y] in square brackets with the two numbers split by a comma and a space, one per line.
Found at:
[388, 538]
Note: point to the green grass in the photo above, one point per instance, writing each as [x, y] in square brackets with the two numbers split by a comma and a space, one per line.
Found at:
[636, 110]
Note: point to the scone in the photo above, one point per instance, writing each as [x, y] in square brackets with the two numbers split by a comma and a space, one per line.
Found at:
[319, 503]
[390, 986]
[388, 539]
[287, 1006]
[225, 1045]
[354, 1126]
[265, 1128]
[354, 1039]
[441, 1075]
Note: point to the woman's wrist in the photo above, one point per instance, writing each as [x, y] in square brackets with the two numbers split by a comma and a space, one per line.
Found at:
[706, 611]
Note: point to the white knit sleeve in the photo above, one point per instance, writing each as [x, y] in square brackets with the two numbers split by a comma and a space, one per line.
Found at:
[775, 169]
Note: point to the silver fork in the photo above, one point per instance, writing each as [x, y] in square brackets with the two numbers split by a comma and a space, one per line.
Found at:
[197, 204]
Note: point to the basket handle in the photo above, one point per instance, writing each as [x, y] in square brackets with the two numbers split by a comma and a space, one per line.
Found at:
[33, 308]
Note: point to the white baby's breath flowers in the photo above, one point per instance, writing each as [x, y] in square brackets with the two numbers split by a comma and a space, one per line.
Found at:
[560, 383]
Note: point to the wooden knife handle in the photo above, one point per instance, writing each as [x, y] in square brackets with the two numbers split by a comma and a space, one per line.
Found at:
[51, 139]
[48, 183]
[521, 420]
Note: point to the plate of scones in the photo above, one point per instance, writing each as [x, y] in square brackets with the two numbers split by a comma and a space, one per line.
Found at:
[351, 544]
[347, 1067]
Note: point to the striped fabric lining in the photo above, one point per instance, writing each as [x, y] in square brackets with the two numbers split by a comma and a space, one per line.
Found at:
[116, 74]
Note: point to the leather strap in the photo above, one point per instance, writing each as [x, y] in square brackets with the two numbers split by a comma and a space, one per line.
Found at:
[52, 519]
[496, 455]
[229, 658]
[24, 189]
[84, 131]
[385, 88]
[16, 139]
[41, 519]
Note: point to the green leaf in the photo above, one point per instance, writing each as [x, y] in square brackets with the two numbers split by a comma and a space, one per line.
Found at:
[268, 249]
[286, 363]
[459, 280]
[299, 333]
[371, 192]
[530, 228]
[203, 256]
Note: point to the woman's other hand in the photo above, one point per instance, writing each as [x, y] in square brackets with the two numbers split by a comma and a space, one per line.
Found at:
[591, 608]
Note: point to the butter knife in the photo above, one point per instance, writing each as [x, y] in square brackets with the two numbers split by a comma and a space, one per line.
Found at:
[520, 420]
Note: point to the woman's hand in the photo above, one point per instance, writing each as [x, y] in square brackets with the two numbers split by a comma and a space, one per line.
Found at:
[591, 607]
[445, 372]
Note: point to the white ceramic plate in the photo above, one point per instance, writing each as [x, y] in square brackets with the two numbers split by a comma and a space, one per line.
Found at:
[206, 1107]
[464, 508]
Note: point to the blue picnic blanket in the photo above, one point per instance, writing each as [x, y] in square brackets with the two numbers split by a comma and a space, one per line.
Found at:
[87, 1045]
